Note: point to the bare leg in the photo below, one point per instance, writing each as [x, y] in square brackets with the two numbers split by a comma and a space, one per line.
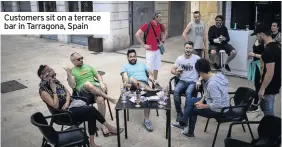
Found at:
[212, 56]
[231, 57]
[146, 114]
[97, 91]
[102, 109]
[91, 140]
[155, 73]
[134, 82]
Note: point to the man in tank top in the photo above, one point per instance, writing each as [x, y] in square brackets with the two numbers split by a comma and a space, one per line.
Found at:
[196, 33]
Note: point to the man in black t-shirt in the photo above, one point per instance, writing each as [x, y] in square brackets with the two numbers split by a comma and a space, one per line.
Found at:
[271, 69]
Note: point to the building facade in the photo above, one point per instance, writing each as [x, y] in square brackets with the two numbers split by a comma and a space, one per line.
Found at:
[126, 17]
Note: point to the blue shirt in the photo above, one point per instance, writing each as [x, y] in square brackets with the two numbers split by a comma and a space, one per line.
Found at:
[136, 71]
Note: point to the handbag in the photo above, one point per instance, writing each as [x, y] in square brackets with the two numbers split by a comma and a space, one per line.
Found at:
[160, 46]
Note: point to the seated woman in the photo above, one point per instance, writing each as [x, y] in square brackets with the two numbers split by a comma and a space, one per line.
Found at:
[57, 96]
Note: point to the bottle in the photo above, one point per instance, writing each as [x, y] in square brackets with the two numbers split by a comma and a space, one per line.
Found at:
[138, 92]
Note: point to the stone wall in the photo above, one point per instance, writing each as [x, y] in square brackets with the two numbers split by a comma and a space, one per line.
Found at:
[119, 34]
[163, 7]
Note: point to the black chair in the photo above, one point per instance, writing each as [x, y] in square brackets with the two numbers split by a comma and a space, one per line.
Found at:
[73, 136]
[269, 133]
[243, 98]
[174, 80]
[65, 120]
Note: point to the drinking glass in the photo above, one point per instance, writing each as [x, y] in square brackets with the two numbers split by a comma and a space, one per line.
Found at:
[137, 101]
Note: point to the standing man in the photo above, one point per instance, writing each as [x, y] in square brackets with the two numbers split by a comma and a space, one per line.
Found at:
[276, 35]
[219, 38]
[152, 40]
[196, 34]
[271, 68]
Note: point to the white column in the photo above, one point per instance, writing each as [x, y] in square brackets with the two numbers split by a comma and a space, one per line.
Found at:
[62, 6]
[119, 35]
[34, 8]
[228, 14]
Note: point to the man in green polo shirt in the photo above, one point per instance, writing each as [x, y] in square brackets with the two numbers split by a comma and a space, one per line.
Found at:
[87, 81]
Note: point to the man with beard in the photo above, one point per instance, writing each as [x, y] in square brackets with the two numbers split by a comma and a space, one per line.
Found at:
[219, 38]
[136, 72]
[86, 80]
[155, 35]
[184, 68]
[196, 34]
[271, 69]
[276, 35]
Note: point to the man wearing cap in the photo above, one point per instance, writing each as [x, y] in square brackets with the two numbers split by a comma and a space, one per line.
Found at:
[153, 42]
[271, 69]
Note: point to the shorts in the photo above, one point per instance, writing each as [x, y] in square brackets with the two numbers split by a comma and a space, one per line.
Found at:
[133, 87]
[198, 52]
[89, 96]
[153, 59]
[226, 47]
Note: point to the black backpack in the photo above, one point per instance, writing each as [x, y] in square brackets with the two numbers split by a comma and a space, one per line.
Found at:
[147, 31]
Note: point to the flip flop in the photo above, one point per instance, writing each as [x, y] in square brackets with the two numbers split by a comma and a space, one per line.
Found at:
[114, 134]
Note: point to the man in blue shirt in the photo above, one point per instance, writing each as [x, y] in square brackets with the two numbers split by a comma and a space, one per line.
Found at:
[137, 72]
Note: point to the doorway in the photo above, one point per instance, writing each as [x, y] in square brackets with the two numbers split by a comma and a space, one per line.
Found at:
[176, 26]
[140, 12]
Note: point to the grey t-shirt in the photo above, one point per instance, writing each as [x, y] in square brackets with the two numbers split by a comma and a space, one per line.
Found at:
[196, 34]
[189, 74]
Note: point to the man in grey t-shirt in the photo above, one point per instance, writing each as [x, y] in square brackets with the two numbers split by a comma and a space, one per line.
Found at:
[196, 33]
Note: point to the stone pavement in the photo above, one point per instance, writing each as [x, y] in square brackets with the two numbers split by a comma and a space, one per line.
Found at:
[21, 57]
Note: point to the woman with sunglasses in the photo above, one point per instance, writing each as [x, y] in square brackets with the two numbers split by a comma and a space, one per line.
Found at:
[54, 94]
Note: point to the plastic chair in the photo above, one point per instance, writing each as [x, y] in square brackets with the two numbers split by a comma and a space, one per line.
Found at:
[73, 136]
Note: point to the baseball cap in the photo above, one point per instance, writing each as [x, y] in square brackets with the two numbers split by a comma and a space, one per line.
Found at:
[261, 28]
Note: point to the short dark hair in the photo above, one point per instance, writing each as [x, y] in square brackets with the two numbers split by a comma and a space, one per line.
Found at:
[156, 14]
[131, 51]
[196, 12]
[220, 17]
[262, 28]
[40, 69]
[203, 66]
[277, 23]
[189, 42]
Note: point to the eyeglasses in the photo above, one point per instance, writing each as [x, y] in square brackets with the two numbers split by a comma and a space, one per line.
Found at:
[79, 59]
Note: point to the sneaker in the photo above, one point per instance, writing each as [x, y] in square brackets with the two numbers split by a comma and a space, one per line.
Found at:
[253, 109]
[179, 117]
[227, 67]
[186, 134]
[148, 126]
[216, 66]
[178, 125]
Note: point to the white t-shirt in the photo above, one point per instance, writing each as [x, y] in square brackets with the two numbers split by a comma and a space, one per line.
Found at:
[189, 74]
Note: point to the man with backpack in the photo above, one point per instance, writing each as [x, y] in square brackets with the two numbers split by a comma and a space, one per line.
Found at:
[153, 42]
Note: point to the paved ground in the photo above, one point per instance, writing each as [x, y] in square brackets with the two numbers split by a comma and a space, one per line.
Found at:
[21, 57]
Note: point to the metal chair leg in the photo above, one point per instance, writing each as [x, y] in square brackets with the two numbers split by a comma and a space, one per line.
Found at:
[62, 127]
[157, 112]
[249, 127]
[109, 106]
[243, 128]
[207, 125]
[215, 135]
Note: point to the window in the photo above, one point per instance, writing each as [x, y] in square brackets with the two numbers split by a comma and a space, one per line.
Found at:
[243, 13]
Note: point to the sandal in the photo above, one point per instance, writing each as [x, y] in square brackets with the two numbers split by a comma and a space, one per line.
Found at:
[113, 134]
[105, 134]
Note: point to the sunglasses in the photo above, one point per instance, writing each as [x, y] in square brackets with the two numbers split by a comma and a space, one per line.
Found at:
[79, 59]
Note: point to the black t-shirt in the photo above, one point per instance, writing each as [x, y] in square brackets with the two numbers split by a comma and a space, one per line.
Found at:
[258, 50]
[272, 54]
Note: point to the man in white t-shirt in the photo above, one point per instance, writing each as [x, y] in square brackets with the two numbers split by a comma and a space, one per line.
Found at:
[184, 69]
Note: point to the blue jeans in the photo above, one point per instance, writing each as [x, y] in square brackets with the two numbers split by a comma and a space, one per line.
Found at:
[179, 89]
[191, 112]
[267, 104]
